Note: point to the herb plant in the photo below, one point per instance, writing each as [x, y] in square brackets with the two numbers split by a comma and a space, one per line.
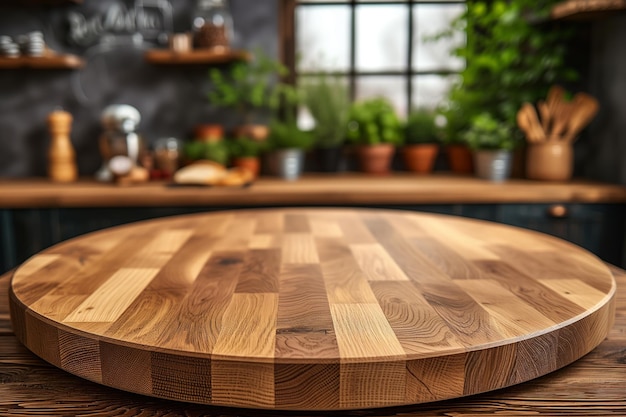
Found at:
[248, 87]
[421, 127]
[287, 135]
[213, 151]
[487, 133]
[327, 99]
[373, 122]
[245, 147]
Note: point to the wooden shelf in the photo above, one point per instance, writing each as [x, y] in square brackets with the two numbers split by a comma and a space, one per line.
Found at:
[31, 3]
[349, 188]
[199, 56]
[52, 61]
[586, 9]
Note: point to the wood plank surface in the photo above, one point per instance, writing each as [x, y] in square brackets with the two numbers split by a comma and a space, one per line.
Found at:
[381, 321]
[198, 56]
[586, 9]
[344, 189]
[49, 61]
[591, 386]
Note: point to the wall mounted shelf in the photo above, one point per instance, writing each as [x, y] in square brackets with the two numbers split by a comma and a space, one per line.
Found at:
[51, 61]
[31, 3]
[199, 56]
[586, 9]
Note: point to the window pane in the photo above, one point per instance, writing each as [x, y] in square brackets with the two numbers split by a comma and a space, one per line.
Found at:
[389, 87]
[381, 37]
[430, 19]
[340, 84]
[318, 46]
[431, 91]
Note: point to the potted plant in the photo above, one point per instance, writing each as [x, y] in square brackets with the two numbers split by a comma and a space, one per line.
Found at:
[326, 97]
[492, 142]
[212, 151]
[376, 130]
[422, 136]
[287, 144]
[458, 154]
[251, 88]
[245, 152]
[509, 60]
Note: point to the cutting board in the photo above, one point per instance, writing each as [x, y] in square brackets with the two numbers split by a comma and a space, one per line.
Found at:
[316, 309]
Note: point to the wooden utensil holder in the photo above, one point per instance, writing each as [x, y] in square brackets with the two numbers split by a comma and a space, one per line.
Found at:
[550, 161]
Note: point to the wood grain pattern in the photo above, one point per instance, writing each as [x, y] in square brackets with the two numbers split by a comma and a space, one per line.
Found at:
[349, 188]
[592, 386]
[314, 309]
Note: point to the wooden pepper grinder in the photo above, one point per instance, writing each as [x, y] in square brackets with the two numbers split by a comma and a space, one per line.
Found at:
[61, 155]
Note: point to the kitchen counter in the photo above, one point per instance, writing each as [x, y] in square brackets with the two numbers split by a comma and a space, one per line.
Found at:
[342, 189]
[36, 213]
[592, 386]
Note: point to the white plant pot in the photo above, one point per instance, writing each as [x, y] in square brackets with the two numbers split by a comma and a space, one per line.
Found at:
[286, 163]
[493, 165]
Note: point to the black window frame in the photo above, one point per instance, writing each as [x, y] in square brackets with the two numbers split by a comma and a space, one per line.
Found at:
[289, 44]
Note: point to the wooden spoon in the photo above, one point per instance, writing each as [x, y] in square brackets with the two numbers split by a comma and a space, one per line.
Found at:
[585, 109]
[529, 123]
[561, 119]
[544, 111]
[556, 96]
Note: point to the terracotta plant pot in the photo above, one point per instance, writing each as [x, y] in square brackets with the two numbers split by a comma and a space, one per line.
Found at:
[376, 159]
[550, 161]
[251, 163]
[420, 158]
[256, 132]
[209, 133]
[460, 159]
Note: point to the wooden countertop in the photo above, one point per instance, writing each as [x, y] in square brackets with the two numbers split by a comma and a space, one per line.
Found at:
[592, 386]
[324, 309]
[343, 189]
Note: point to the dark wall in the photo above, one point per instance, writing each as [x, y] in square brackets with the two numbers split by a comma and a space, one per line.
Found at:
[171, 99]
[605, 143]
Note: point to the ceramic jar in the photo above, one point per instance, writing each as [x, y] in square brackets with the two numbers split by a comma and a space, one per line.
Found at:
[550, 161]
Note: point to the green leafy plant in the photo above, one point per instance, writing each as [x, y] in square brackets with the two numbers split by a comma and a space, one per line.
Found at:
[213, 151]
[287, 135]
[327, 99]
[373, 122]
[248, 87]
[487, 133]
[509, 60]
[421, 127]
[245, 147]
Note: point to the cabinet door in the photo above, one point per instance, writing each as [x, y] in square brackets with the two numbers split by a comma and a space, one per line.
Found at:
[599, 228]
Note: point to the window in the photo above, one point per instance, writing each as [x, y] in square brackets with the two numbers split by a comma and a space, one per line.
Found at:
[379, 46]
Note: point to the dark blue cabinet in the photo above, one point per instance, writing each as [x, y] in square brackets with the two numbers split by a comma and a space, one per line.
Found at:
[599, 228]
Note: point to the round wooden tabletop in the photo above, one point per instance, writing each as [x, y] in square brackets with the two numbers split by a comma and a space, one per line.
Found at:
[317, 309]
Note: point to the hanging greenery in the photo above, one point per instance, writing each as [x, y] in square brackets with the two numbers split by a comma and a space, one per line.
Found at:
[509, 60]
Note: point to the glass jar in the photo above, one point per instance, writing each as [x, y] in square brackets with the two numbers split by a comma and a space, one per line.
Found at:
[212, 25]
[167, 155]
